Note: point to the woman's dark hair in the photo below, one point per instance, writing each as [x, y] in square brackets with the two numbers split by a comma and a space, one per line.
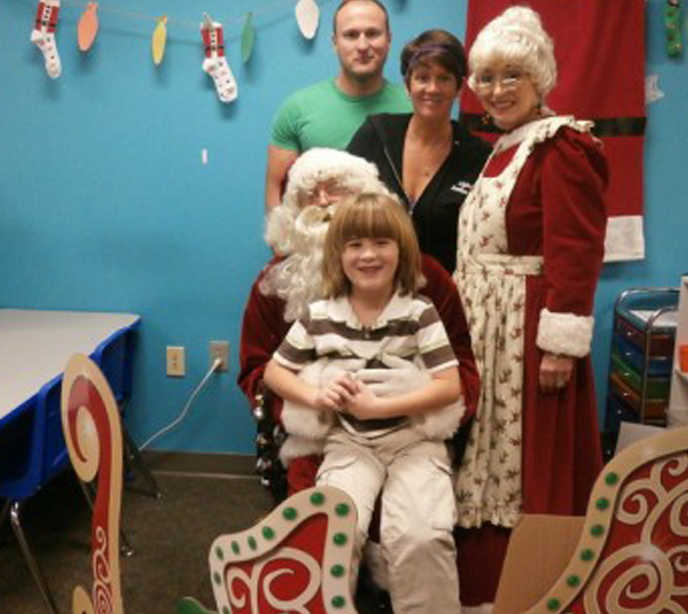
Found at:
[437, 46]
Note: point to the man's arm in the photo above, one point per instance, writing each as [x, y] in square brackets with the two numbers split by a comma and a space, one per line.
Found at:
[279, 161]
[441, 290]
[263, 329]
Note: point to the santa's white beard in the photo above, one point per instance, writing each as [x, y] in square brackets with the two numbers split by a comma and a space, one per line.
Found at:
[298, 278]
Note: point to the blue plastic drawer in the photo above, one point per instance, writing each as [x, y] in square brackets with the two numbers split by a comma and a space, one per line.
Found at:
[635, 332]
[617, 412]
[658, 366]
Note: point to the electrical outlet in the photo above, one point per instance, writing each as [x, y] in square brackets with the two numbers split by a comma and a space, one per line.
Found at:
[176, 361]
[220, 349]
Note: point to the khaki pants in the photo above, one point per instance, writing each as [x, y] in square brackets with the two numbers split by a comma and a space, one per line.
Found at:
[417, 516]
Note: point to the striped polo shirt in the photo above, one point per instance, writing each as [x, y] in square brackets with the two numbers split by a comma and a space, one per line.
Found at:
[409, 328]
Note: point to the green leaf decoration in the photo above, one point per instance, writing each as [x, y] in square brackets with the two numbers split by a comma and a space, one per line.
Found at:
[188, 605]
[248, 37]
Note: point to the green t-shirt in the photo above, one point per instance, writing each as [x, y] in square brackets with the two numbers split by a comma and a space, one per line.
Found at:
[321, 115]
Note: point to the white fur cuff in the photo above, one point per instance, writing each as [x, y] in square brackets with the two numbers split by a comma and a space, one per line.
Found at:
[306, 422]
[440, 424]
[565, 333]
[295, 447]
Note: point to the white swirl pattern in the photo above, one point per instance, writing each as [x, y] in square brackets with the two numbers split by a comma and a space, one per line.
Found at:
[644, 577]
[294, 606]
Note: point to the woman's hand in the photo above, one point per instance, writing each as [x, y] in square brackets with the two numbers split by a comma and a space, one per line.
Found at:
[555, 372]
[337, 394]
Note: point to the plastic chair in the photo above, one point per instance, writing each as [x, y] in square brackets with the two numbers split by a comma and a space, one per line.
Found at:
[32, 444]
[93, 434]
[33, 452]
[632, 555]
[297, 559]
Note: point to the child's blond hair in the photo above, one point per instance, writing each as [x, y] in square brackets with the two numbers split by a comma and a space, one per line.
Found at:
[371, 215]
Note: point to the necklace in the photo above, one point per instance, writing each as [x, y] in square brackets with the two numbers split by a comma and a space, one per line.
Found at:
[424, 153]
[429, 156]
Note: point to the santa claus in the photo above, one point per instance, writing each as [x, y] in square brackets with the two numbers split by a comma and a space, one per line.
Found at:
[295, 230]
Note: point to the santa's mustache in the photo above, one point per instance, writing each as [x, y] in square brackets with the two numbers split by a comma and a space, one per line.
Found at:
[314, 215]
[311, 225]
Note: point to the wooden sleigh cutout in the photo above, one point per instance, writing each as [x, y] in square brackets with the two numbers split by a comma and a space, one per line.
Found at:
[93, 434]
[632, 554]
[296, 560]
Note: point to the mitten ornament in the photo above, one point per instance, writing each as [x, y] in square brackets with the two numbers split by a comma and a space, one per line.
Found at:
[43, 35]
[215, 63]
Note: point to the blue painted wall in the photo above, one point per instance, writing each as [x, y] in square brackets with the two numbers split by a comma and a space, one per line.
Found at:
[105, 205]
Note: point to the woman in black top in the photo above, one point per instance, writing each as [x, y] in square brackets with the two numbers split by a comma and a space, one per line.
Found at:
[425, 157]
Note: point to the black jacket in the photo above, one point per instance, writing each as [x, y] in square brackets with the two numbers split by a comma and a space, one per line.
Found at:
[435, 215]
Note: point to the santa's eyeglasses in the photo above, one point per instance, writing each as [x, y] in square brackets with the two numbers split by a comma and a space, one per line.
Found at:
[327, 190]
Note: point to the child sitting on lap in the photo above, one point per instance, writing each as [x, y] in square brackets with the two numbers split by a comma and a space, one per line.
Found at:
[374, 318]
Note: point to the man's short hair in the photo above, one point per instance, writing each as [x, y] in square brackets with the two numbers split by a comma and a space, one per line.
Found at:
[343, 3]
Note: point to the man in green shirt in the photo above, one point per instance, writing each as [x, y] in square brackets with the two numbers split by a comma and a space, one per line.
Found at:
[328, 113]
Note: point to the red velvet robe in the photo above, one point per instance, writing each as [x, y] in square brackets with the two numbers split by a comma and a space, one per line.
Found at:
[556, 210]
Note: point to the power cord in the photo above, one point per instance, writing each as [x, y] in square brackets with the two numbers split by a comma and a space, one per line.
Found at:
[217, 363]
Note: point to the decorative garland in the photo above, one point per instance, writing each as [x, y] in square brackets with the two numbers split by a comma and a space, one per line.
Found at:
[215, 64]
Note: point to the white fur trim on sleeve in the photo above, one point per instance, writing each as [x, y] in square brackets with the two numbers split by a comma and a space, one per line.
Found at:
[295, 447]
[440, 424]
[565, 333]
[305, 422]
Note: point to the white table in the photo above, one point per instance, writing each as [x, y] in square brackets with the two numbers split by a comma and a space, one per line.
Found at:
[36, 345]
[34, 349]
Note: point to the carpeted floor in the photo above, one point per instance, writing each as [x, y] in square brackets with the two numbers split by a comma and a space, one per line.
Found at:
[171, 538]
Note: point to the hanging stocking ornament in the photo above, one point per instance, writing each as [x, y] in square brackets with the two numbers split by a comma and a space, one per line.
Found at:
[43, 35]
[215, 63]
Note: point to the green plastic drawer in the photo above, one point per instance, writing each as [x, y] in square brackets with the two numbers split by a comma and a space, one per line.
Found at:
[657, 387]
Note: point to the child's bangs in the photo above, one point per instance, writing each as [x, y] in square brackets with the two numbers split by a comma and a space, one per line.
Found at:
[368, 220]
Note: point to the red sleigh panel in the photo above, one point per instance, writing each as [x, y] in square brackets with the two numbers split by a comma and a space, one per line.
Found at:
[633, 552]
[297, 559]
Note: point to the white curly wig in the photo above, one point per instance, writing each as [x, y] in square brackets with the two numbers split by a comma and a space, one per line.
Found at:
[298, 232]
[316, 166]
[516, 36]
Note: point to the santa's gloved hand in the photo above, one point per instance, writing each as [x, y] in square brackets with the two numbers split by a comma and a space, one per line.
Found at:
[400, 377]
